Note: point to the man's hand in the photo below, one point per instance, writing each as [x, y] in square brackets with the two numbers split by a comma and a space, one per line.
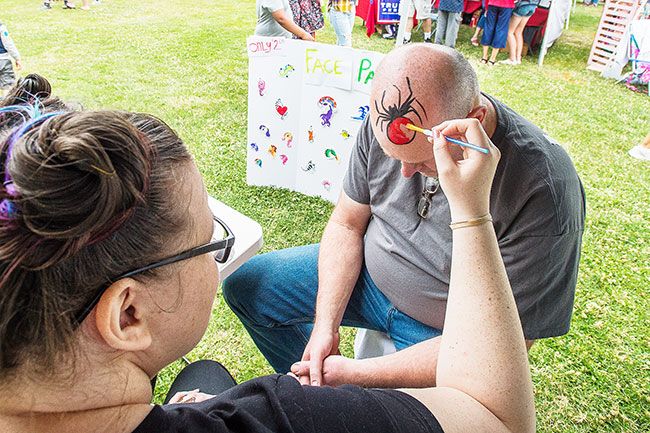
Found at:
[337, 370]
[19, 65]
[322, 343]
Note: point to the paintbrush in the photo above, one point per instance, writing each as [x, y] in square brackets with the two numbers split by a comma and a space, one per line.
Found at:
[428, 133]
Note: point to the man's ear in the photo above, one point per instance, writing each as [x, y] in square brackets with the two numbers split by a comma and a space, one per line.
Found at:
[120, 316]
[479, 112]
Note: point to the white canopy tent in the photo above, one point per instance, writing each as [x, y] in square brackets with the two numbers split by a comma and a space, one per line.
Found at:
[558, 19]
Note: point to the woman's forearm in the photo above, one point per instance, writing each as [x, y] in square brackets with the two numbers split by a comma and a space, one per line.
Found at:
[482, 351]
[289, 25]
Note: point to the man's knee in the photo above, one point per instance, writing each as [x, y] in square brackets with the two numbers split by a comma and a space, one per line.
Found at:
[240, 287]
[260, 289]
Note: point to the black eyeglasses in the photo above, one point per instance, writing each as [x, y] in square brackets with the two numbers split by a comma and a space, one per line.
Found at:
[431, 185]
[220, 244]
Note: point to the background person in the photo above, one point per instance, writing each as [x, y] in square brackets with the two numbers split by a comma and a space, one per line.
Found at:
[29, 92]
[449, 17]
[341, 16]
[424, 14]
[642, 151]
[495, 32]
[479, 24]
[524, 9]
[274, 18]
[8, 51]
[47, 4]
[308, 15]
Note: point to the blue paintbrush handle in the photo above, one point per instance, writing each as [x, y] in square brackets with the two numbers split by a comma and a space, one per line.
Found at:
[469, 145]
[429, 133]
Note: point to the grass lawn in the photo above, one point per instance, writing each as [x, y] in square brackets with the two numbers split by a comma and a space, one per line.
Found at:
[185, 61]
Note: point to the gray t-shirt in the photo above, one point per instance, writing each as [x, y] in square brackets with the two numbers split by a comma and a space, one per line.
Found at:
[538, 206]
[266, 24]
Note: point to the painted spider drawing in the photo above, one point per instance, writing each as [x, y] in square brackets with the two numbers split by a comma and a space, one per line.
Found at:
[395, 116]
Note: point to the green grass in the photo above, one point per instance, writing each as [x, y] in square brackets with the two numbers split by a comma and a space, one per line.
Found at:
[185, 62]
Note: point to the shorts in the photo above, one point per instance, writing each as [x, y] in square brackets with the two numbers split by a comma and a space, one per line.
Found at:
[524, 10]
[7, 75]
[481, 21]
[423, 7]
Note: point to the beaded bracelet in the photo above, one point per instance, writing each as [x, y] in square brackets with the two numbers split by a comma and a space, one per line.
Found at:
[471, 223]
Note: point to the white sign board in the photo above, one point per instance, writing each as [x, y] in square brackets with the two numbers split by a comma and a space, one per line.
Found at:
[306, 102]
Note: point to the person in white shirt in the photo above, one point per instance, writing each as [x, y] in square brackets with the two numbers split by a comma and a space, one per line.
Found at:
[274, 18]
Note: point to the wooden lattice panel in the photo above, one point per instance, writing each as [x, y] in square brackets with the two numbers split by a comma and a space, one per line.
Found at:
[611, 32]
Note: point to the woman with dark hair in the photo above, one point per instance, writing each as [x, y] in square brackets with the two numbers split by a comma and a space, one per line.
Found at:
[108, 274]
[29, 95]
[27, 90]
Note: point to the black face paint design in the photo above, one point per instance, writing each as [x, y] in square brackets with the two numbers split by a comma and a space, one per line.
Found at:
[395, 114]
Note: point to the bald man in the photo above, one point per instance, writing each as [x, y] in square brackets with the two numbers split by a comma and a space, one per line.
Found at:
[384, 259]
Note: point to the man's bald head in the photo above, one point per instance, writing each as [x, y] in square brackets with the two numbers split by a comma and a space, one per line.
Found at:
[423, 84]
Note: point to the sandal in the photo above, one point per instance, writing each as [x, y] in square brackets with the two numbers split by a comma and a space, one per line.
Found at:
[491, 63]
[474, 41]
[68, 5]
[484, 61]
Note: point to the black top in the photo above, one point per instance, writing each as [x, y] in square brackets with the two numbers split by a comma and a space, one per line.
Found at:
[279, 403]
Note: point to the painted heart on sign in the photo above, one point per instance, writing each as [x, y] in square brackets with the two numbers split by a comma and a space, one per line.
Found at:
[281, 108]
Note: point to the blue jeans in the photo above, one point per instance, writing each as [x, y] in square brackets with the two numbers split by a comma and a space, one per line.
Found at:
[447, 27]
[274, 296]
[343, 22]
[495, 32]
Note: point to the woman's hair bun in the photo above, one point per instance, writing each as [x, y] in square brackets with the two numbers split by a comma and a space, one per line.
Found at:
[86, 197]
[79, 176]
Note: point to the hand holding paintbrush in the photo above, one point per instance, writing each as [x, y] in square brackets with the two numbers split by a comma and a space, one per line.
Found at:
[466, 182]
[429, 133]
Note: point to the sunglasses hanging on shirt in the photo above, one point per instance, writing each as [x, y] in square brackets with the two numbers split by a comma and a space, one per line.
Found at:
[431, 185]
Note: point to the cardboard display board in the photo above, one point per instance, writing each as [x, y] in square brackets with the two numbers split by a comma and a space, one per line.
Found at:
[306, 103]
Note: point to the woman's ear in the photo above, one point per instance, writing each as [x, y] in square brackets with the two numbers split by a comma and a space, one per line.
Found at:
[120, 316]
[479, 112]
